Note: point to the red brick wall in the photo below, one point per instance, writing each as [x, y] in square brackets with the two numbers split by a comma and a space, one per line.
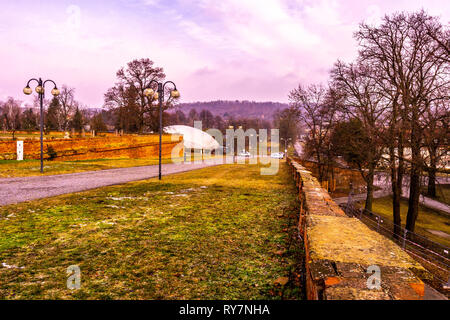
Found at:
[95, 148]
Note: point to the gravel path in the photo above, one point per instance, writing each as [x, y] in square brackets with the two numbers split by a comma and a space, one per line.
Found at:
[15, 190]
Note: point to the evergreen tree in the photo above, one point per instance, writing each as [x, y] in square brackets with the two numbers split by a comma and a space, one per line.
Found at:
[30, 120]
[53, 115]
[77, 121]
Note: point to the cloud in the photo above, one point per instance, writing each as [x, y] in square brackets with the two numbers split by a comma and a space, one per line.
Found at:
[323, 12]
[374, 14]
[234, 49]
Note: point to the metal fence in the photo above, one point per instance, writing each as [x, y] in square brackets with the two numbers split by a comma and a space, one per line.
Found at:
[433, 256]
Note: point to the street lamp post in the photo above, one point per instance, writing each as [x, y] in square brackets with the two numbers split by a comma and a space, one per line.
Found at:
[285, 143]
[159, 94]
[40, 89]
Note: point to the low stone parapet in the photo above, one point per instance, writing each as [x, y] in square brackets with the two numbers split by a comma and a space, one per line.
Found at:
[346, 260]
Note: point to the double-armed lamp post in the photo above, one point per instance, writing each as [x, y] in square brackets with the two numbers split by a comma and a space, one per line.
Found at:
[40, 89]
[159, 94]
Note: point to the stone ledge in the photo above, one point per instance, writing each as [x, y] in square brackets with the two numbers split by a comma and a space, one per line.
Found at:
[339, 250]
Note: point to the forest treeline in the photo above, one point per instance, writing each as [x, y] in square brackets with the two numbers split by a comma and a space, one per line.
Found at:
[70, 115]
[236, 109]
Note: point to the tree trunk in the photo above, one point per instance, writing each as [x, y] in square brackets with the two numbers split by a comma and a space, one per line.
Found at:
[396, 210]
[413, 202]
[320, 167]
[397, 194]
[369, 180]
[414, 187]
[396, 187]
[401, 165]
[431, 192]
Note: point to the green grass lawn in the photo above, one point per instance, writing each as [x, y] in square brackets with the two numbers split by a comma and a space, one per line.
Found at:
[223, 232]
[428, 219]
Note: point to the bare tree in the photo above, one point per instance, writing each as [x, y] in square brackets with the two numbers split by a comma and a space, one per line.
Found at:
[362, 100]
[68, 105]
[317, 113]
[127, 96]
[409, 71]
[436, 137]
[207, 119]
[11, 115]
[122, 102]
[287, 121]
[192, 116]
[442, 37]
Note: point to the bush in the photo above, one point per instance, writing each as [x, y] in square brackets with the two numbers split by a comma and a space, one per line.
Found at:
[51, 153]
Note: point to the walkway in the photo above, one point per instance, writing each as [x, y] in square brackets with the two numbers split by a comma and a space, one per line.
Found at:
[15, 190]
[362, 196]
[382, 180]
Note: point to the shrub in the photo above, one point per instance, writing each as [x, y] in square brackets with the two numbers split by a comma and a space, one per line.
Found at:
[51, 153]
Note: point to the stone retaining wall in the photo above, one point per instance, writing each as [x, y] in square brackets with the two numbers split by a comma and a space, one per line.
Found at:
[340, 250]
[129, 146]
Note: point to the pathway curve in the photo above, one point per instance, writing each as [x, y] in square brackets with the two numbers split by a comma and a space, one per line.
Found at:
[15, 190]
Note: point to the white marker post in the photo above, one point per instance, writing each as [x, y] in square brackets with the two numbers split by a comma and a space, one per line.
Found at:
[19, 150]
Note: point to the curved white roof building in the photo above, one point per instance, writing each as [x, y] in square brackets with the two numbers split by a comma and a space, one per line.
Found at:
[193, 138]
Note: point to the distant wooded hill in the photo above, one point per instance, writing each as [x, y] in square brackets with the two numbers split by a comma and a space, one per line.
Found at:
[235, 109]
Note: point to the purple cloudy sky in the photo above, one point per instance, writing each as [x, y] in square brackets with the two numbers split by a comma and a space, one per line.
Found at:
[224, 49]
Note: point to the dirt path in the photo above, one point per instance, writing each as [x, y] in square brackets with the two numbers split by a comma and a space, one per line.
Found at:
[15, 190]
